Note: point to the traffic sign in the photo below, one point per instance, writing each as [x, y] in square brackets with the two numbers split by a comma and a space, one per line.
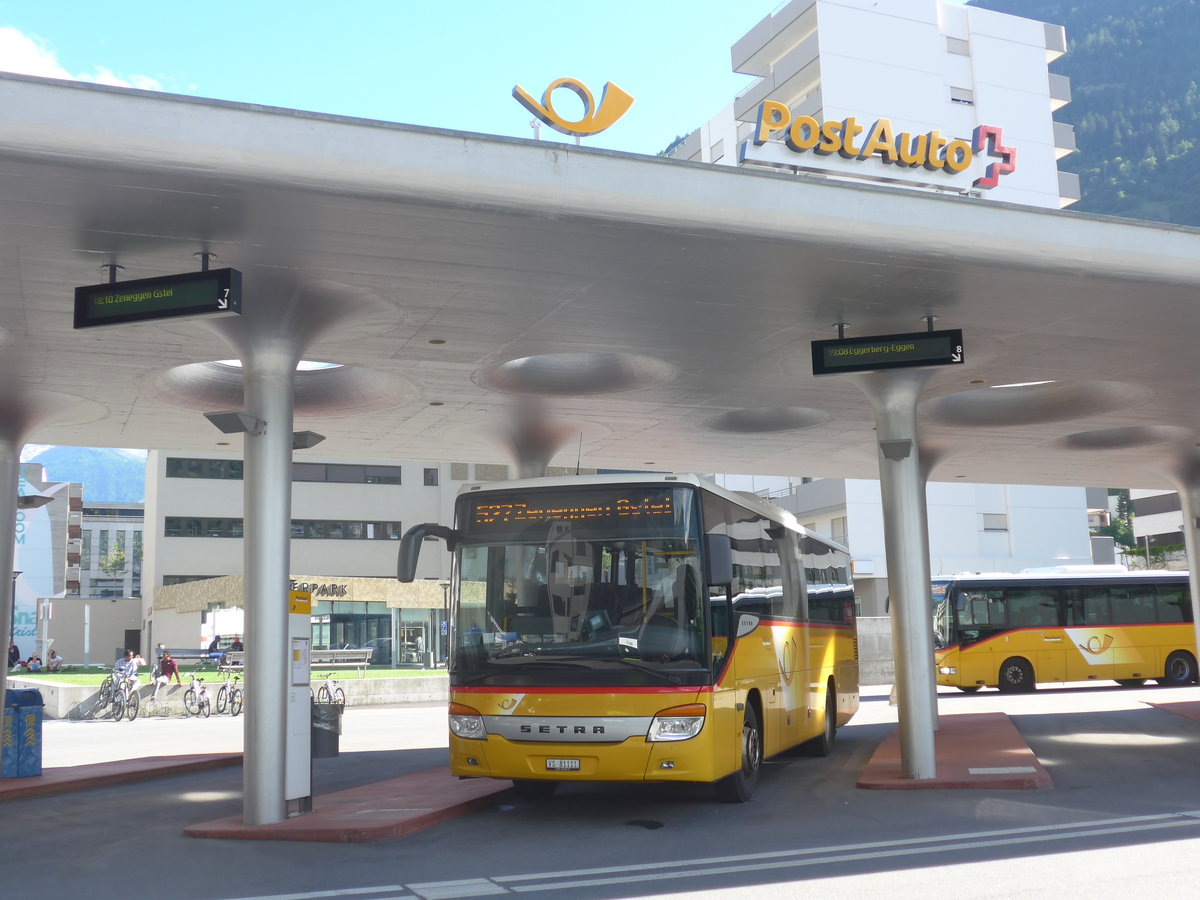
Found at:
[888, 351]
[217, 292]
[300, 603]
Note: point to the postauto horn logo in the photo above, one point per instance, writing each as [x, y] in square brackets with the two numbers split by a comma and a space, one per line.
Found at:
[614, 103]
[932, 150]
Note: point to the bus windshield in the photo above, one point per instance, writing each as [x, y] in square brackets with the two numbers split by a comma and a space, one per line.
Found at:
[589, 586]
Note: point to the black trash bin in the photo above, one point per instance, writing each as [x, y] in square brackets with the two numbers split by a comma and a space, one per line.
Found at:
[326, 729]
[22, 734]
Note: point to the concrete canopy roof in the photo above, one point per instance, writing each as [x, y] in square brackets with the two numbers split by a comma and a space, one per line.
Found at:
[668, 306]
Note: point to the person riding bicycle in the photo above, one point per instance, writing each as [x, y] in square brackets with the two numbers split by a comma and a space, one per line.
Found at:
[126, 669]
[167, 669]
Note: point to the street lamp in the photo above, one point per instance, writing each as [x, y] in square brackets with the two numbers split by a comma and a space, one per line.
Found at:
[445, 586]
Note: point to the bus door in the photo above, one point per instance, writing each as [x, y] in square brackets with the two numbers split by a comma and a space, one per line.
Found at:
[1040, 610]
[1089, 635]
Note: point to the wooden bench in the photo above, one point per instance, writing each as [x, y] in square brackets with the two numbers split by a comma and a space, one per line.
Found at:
[235, 660]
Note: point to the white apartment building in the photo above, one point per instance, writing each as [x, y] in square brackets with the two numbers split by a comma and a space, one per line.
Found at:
[972, 83]
[1158, 528]
[972, 528]
[110, 556]
[347, 520]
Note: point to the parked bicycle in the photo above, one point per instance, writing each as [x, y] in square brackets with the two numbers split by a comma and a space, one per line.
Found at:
[230, 696]
[329, 691]
[195, 699]
[104, 699]
[125, 700]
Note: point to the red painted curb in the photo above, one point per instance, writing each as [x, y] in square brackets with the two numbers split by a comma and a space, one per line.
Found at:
[965, 746]
[76, 778]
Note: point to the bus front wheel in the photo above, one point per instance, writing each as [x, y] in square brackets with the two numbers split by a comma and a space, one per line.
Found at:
[1016, 676]
[738, 787]
[1181, 669]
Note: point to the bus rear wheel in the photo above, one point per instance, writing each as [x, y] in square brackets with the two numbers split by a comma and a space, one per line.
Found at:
[822, 745]
[738, 787]
[1181, 669]
[1016, 676]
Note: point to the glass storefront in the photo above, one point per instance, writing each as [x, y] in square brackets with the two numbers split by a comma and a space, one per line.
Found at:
[399, 637]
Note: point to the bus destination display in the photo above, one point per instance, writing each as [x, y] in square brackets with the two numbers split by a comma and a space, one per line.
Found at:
[888, 351]
[217, 292]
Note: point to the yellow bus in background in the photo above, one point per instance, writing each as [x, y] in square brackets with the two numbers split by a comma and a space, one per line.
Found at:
[639, 628]
[1014, 632]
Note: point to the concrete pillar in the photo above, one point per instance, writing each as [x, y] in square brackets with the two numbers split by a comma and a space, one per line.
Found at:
[269, 370]
[894, 396]
[10, 473]
[1188, 486]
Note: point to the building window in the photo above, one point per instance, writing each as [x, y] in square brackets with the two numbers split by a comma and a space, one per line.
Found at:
[333, 473]
[301, 529]
[838, 529]
[994, 521]
[458, 472]
[431, 477]
[962, 95]
[184, 579]
[85, 554]
[958, 46]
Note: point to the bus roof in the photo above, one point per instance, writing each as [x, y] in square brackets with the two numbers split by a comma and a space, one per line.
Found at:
[1079, 576]
[741, 498]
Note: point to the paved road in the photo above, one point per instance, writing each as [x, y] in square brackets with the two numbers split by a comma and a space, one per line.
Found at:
[1122, 820]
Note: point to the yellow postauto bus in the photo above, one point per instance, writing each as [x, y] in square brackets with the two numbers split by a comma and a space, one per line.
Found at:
[1014, 632]
[632, 628]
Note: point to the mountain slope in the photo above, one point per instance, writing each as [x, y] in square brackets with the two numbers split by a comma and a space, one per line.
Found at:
[1135, 103]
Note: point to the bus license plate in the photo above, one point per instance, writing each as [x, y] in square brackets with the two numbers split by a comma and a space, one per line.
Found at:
[562, 765]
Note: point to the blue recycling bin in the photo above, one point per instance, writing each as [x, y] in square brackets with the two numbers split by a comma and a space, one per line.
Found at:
[22, 734]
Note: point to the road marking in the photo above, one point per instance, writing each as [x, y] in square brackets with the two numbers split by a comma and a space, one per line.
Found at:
[753, 862]
[1003, 770]
[467, 887]
[342, 892]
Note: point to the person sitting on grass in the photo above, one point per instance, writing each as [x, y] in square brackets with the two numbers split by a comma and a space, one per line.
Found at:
[34, 663]
[54, 663]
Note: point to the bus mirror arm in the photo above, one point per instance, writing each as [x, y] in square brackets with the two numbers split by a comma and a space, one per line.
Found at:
[410, 547]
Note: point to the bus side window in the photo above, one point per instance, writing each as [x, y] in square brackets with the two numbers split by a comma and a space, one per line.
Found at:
[1172, 602]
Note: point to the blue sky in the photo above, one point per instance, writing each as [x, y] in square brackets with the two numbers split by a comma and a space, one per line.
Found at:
[447, 65]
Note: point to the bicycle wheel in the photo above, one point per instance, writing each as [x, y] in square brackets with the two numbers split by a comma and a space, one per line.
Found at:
[105, 697]
[222, 699]
[339, 696]
[323, 695]
[235, 701]
[132, 705]
[117, 710]
[191, 702]
[205, 706]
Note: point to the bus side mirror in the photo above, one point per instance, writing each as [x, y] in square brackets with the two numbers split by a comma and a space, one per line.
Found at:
[718, 559]
[410, 547]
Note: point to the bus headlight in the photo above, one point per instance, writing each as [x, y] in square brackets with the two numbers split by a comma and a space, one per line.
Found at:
[680, 723]
[947, 670]
[466, 722]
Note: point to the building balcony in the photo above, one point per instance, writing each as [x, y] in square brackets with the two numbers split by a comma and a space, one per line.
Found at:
[794, 76]
[1060, 92]
[1068, 189]
[758, 49]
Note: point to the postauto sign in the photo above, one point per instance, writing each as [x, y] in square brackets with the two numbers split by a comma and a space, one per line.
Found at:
[781, 139]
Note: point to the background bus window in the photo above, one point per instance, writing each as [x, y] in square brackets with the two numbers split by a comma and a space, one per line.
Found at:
[1133, 605]
[1092, 607]
[1032, 607]
[1174, 603]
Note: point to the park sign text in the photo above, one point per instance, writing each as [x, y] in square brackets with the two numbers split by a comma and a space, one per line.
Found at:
[931, 151]
[217, 292]
[888, 351]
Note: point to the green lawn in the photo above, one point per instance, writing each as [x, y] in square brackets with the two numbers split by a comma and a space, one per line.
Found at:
[79, 675]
